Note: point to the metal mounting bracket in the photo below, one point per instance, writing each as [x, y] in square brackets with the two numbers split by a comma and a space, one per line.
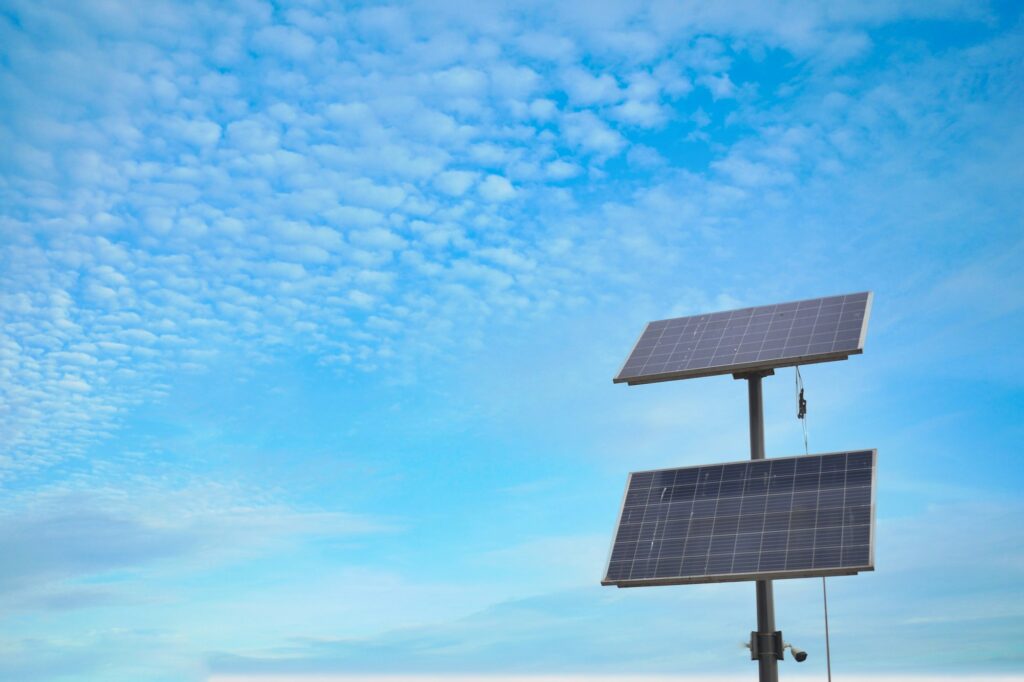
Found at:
[766, 644]
[754, 374]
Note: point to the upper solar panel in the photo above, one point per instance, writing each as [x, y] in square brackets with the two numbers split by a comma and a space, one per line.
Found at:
[791, 517]
[749, 339]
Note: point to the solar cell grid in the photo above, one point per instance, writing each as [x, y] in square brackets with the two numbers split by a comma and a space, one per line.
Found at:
[750, 338]
[778, 518]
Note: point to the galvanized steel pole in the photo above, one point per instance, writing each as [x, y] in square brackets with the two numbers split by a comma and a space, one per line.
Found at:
[767, 662]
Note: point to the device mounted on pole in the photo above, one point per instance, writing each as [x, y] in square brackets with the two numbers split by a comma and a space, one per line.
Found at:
[760, 520]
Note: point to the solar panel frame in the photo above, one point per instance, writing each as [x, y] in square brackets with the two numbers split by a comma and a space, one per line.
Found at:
[806, 358]
[751, 575]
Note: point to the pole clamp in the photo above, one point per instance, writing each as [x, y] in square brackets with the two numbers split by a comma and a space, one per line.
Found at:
[754, 374]
[766, 644]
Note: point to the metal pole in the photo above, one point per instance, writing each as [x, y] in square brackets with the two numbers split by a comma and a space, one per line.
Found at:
[756, 416]
[767, 663]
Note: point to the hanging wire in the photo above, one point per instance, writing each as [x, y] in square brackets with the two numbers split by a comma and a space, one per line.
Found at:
[828, 649]
[801, 414]
[801, 407]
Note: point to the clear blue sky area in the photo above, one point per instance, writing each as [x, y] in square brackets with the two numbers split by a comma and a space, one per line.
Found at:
[310, 312]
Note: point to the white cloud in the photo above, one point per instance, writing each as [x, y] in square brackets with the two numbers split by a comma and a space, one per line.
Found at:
[377, 238]
[366, 192]
[355, 114]
[252, 136]
[585, 130]
[490, 153]
[749, 173]
[304, 233]
[547, 46]
[587, 89]
[389, 23]
[496, 188]
[187, 177]
[671, 79]
[719, 85]
[287, 41]
[202, 132]
[508, 257]
[460, 80]
[543, 109]
[515, 82]
[635, 112]
[64, 535]
[455, 183]
[561, 170]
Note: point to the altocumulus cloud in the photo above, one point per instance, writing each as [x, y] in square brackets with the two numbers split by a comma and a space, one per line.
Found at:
[185, 181]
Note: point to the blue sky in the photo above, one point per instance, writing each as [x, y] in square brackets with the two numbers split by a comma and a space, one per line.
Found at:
[310, 313]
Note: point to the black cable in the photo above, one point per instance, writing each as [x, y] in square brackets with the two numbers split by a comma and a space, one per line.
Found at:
[801, 407]
[828, 649]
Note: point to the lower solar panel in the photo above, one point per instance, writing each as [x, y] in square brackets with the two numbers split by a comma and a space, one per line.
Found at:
[787, 517]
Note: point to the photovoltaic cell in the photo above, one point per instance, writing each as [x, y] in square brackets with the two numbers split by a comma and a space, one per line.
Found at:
[790, 517]
[765, 337]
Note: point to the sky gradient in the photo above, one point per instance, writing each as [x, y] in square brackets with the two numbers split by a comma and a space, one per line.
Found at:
[310, 313]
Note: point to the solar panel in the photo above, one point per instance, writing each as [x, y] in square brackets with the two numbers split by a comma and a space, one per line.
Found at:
[797, 333]
[787, 517]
